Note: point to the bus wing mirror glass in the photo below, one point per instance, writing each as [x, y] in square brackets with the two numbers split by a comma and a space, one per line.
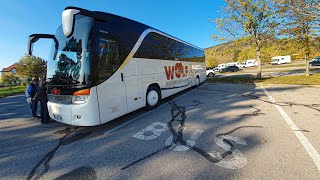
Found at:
[31, 40]
[68, 19]
[35, 37]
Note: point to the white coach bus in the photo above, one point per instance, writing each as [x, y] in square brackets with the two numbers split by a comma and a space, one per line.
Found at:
[102, 66]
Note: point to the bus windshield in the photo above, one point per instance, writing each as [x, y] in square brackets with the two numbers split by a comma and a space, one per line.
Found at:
[72, 65]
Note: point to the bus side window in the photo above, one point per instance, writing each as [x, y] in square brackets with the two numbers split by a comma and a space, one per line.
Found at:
[109, 60]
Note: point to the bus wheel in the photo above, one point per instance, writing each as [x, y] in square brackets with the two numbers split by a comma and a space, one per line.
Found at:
[153, 97]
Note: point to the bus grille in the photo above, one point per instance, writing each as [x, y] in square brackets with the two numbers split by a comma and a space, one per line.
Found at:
[60, 99]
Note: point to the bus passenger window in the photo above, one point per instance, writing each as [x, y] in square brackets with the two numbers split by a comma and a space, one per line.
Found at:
[109, 60]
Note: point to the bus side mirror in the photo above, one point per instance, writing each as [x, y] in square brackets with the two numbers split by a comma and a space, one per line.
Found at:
[68, 17]
[35, 37]
[31, 40]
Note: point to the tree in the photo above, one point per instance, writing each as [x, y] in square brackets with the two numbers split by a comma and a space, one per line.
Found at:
[9, 80]
[313, 7]
[250, 19]
[299, 22]
[31, 66]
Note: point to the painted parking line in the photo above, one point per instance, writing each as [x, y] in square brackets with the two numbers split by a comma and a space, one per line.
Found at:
[142, 115]
[304, 141]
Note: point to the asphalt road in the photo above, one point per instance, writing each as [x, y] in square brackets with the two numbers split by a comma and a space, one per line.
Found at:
[217, 131]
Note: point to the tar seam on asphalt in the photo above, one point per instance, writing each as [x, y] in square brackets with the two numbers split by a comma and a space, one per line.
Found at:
[178, 135]
[302, 130]
[49, 156]
[257, 112]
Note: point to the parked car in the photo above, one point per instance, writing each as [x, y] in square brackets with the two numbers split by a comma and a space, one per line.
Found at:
[210, 72]
[229, 69]
[315, 61]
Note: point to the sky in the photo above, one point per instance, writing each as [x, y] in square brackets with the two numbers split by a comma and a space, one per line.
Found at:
[185, 19]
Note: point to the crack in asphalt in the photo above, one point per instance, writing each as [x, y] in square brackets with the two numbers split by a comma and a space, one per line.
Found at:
[257, 112]
[235, 129]
[302, 130]
[177, 135]
[48, 157]
[291, 104]
[197, 102]
[75, 138]
[38, 174]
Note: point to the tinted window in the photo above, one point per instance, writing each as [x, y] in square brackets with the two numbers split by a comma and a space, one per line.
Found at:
[156, 46]
[108, 58]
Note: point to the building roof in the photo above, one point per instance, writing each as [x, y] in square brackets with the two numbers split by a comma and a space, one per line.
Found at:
[8, 69]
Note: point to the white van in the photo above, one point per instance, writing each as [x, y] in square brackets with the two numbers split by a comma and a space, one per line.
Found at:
[281, 60]
[233, 64]
[221, 66]
[249, 63]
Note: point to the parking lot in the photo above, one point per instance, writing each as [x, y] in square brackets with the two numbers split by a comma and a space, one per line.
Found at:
[215, 131]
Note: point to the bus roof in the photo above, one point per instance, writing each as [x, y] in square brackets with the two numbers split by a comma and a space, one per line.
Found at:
[103, 16]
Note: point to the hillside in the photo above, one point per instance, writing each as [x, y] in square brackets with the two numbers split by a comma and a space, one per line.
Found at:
[243, 50]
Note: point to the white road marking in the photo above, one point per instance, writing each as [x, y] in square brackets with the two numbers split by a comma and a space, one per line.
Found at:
[304, 141]
[191, 141]
[142, 115]
[238, 160]
[169, 141]
[156, 132]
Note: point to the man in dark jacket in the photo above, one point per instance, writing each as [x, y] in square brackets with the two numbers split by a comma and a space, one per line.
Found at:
[43, 98]
[31, 93]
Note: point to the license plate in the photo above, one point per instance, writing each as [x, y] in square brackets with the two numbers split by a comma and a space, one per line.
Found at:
[57, 117]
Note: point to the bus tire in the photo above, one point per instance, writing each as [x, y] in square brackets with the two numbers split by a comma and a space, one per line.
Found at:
[153, 97]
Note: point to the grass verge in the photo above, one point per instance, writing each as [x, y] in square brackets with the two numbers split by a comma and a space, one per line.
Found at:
[6, 91]
[284, 65]
[292, 80]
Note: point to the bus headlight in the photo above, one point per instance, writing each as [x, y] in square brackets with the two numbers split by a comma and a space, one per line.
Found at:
[79, 99]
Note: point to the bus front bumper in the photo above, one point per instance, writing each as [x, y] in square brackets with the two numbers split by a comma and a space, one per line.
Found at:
[76, 115]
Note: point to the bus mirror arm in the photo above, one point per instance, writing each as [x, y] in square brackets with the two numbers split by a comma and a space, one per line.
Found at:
[35, 37]
[122, 77]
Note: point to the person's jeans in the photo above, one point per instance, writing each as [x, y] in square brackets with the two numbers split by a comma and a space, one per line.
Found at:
[45, 118]
[33, 106]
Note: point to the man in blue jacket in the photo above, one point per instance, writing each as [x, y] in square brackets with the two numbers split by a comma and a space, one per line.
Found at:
[31, 94]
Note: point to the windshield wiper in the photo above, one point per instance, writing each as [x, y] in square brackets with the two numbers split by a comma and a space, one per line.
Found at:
[65, 79]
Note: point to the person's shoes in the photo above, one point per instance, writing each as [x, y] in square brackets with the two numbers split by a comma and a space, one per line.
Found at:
[46, 122]
[33, 117]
